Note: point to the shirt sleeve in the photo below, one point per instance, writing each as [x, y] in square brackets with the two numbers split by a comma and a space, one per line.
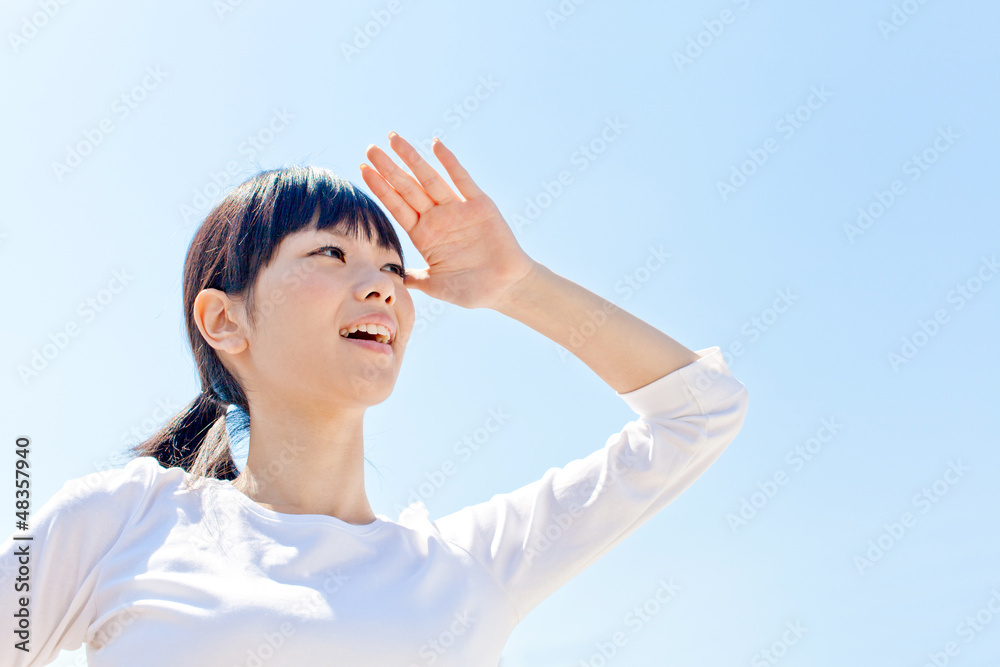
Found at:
[536, 538]
[71, 534]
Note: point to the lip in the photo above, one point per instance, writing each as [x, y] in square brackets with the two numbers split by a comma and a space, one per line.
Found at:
[374, 318]
[374, 346]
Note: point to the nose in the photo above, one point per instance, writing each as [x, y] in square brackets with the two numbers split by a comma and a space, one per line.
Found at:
[376, 283]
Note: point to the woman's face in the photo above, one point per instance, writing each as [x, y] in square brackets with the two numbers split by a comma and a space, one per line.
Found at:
[318, 284]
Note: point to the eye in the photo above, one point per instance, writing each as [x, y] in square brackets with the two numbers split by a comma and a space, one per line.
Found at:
[331, 247]
[398, 268]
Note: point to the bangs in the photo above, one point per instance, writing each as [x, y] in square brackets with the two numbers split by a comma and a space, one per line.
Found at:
[351, 212]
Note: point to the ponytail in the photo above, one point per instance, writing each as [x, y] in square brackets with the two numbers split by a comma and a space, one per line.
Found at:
[195, 440]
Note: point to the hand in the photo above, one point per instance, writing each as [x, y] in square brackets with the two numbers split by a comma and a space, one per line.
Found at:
[473, 259]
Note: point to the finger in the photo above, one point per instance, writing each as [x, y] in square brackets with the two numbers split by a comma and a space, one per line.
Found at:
[428, 176]
[416, 278]
[401, 211]
[459, 176]
[407, 186]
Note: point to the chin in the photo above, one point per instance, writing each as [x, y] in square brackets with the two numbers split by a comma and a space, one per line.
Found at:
[373, 387]
[375, 394]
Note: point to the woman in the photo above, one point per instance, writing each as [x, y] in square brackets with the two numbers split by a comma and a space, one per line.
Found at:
[298, 313]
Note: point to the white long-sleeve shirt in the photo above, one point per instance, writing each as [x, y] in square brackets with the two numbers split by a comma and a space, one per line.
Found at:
[145, 571]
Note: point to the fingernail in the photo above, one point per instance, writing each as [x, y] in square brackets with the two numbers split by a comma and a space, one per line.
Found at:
[392, 134]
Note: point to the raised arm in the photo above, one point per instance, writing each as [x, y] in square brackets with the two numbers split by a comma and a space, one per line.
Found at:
[689, 405]
[625, 351]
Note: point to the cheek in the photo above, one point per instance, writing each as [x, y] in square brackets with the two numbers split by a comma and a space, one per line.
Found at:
[288, 313]
[406, 311]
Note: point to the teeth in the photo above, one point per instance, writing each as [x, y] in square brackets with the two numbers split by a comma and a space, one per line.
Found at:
[382, 334]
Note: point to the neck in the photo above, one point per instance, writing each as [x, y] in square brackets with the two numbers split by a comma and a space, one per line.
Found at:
[302, 462]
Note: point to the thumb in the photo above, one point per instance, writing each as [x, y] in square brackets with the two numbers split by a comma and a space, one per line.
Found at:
[417, 278]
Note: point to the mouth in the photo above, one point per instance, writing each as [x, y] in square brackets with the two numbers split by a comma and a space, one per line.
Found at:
[374, 331]
[369, 331]
[370, 341]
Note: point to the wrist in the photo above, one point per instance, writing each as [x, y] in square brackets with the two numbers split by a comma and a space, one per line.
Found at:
[517, 290]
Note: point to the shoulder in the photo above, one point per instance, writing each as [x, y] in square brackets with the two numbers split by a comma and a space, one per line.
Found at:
[116, 489]
[90, 513]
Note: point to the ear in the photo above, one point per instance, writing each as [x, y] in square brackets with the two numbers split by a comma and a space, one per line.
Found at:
[219, 318]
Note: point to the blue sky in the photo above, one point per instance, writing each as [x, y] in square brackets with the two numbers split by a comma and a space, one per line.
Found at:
[823, 178]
